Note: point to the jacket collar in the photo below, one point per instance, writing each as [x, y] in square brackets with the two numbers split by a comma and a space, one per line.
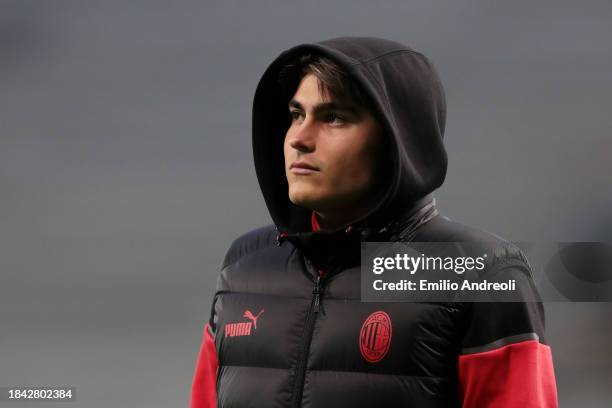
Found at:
[343, 246]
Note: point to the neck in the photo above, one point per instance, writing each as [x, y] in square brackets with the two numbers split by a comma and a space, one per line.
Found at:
[328, 222]
[333, 220]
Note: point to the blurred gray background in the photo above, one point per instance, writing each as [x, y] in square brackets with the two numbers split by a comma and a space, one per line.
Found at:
[126, 168]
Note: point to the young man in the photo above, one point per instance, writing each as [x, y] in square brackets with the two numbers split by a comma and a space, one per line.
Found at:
[347, 140]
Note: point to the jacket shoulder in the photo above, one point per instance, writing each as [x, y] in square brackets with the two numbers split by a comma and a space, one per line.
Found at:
[249, 242]
[443, 229]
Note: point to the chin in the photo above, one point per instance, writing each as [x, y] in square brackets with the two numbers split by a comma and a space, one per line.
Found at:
[303, 202]
[304, 198]
[313, 202]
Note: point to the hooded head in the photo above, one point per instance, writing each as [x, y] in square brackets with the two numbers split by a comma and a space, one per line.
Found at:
[405, 96]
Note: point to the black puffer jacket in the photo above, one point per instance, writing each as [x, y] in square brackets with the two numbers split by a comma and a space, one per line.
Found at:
[285, 337]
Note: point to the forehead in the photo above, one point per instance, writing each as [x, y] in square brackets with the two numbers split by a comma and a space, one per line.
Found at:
[311, 92]
[311, 88]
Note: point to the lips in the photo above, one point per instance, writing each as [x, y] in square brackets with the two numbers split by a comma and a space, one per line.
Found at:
[300, 167]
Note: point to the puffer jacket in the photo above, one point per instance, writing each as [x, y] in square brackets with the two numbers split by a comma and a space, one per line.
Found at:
[287, 327]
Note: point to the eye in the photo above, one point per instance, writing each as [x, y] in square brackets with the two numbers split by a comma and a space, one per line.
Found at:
[295, 115]
[334, 118]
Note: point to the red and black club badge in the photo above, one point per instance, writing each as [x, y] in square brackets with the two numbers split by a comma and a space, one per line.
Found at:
[375, 336]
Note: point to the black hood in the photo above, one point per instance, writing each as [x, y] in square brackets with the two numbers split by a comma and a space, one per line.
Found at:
[406, 90]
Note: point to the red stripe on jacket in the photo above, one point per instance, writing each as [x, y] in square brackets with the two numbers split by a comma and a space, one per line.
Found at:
[204, 385]
[515, 375]
[314, 223]
[203, 388]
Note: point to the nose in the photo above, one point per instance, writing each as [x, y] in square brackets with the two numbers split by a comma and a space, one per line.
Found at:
[303, 136]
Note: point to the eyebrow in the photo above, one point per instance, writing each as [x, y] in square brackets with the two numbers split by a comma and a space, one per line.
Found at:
[327, 106]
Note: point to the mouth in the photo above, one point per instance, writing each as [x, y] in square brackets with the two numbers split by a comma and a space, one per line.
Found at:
[300, 167]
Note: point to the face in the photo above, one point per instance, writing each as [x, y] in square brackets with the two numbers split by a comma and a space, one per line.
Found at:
[331, 151]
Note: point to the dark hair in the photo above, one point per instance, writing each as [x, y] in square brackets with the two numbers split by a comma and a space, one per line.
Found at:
[333, 80]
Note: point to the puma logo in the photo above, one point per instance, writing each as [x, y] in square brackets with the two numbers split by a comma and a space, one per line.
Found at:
[243, 328]
[249, 315]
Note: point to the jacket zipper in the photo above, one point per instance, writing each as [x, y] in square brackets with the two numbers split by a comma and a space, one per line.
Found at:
[300, 372]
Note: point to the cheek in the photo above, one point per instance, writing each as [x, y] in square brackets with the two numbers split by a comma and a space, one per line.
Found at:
[353, 164]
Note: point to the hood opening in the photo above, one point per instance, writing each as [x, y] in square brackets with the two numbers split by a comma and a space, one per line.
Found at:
[410, 106]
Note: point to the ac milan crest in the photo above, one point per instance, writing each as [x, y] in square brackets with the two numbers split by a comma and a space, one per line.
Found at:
[375, 336]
